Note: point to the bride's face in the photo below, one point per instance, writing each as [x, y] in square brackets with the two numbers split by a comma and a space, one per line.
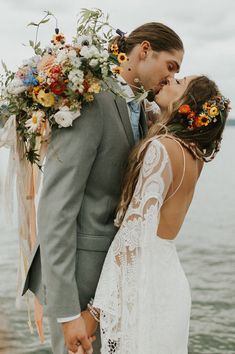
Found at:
[172, 91]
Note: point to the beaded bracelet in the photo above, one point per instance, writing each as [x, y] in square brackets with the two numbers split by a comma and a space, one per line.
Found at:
[93, 311]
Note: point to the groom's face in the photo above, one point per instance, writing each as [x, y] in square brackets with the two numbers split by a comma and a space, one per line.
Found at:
[156, 67]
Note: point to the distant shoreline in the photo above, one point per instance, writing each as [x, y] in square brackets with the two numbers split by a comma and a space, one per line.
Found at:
[230, 122]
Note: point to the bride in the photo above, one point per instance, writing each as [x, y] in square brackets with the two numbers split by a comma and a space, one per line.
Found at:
[143, 297]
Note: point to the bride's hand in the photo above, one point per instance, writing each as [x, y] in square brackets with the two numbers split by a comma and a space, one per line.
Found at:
[91, 323]
[80, 348]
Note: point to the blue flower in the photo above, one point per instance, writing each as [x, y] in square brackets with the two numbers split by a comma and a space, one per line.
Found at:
[30, 79]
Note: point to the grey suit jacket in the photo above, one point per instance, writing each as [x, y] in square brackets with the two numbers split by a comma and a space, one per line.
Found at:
[81, 189]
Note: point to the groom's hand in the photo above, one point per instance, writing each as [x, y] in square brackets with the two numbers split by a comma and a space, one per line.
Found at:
[74, 333]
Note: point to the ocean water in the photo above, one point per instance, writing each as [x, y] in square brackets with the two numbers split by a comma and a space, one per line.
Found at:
[206, 246]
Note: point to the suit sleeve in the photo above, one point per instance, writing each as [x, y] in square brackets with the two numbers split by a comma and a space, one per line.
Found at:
[71, 154]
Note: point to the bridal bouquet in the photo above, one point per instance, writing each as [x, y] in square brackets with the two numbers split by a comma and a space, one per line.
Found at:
[50, 88]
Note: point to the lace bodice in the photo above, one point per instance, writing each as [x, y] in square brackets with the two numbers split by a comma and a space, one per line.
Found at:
[125, 284]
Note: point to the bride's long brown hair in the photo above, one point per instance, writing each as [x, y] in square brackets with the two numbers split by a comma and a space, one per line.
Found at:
[206, 139]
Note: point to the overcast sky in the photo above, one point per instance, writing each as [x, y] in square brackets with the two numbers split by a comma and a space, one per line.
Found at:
[207, 28]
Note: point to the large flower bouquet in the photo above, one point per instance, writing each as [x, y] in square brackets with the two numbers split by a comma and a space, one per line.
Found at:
[50, 88]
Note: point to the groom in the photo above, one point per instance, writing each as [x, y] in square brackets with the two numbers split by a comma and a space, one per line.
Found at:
[82, 185]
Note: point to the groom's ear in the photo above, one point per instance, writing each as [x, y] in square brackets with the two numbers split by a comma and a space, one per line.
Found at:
[145, 48]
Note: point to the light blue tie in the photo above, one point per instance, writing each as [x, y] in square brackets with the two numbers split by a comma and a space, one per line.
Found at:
[135, 118]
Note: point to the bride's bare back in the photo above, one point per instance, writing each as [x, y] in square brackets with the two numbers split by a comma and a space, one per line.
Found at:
[185, 172]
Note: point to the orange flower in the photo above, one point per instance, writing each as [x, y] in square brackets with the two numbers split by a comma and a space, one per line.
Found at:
[184, 109]
[197, 122]
[203, 119]
[58, 38]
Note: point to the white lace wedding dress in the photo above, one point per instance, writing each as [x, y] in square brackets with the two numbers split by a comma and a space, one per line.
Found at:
[143, 294]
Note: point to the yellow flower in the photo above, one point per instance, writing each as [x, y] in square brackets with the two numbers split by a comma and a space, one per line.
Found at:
[88, 97]
[40, 79]
[206, 106]
[117, 70]
[213, 112]
[114, 48]
[36, 89]
[46, 99]
[94, 88]
[122, 58]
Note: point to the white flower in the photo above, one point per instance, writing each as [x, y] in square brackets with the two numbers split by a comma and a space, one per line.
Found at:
[89, 52]
[83, 41]
[104, 70]
[76, 62]
[94, 62]
[64, 117]
[62, 56]
[72, 53]
[76, 74]
[16, 86]
[34, 123]
[104, 54]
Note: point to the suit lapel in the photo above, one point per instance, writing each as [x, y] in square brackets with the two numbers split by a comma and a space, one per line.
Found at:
[124, 115]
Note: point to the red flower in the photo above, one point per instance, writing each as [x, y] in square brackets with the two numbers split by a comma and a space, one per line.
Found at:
[197, 122]
[86, 86]
[191, 115]
[58, 87]
[55, 72]
[184, 109]
[55, 69]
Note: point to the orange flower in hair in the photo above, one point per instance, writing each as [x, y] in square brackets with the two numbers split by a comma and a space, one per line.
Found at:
[197, 122]
[184, 109]
[203, 119]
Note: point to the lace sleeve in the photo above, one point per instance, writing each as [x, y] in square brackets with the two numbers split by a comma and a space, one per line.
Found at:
[153, 184]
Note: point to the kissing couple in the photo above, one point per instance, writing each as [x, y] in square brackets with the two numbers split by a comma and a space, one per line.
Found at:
[113, 200]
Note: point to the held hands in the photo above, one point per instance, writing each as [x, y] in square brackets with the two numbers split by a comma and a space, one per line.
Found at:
[91, 323]
[74, 333]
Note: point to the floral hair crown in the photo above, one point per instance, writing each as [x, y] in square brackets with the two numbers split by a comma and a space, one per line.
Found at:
[212, 110]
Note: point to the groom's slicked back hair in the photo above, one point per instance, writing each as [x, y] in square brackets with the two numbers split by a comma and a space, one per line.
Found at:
[160, 37]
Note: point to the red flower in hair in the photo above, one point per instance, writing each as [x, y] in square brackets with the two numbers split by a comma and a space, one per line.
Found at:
[184, 109]
[191, 115]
